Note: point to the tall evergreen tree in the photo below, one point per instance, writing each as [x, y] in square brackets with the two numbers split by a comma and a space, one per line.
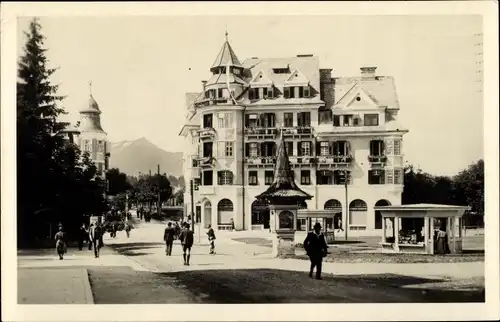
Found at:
[37, 124]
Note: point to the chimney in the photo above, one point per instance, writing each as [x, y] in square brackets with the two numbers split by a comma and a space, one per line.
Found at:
[325, 76]
[368, 72]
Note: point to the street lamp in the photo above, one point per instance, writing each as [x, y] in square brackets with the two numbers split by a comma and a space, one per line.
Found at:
[345, 174]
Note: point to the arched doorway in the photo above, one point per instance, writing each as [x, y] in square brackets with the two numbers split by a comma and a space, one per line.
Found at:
[336, 207]
[358, 210]
[260, 213]
[207, 214]
[225, 210]
[378, 214]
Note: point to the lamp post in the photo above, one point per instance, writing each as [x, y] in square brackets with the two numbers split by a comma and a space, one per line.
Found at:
[345, 172]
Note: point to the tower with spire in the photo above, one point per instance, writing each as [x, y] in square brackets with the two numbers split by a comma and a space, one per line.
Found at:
[92, 138]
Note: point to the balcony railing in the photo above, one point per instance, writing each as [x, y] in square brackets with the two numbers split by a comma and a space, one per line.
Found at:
[263, 161]
[297, 160]
[206, 162]
[335, 159]
[297, 130]
[261, 131]
[377, 158]
[207, 132]
[212, 101]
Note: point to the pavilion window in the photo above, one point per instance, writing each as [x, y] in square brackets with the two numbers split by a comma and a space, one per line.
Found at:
[324, 148]
[324, 177]
[336, 120]
[225, 178]
[305, 148]
[376, 148]
[207, 120]
[220, 93]
[398, 176]
[307, 91]
[348, 120]
[304, 119]
[397, 147]
[286, 92]
[254, 152]
[207, 149]
[270, 92]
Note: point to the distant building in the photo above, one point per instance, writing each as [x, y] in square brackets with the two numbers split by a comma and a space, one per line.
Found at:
[335, 128]
[90, 137]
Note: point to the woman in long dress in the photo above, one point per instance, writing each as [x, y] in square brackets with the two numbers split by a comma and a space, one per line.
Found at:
[60, 243]
[442, 241]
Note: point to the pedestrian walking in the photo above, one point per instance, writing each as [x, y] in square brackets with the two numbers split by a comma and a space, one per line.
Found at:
[168, 237]
[232, 224]
[187, 240]
[441, 243]
[127, 229]
[82, 236]
[60, 242]
[211, 239]
[316, 248]
[95, 236]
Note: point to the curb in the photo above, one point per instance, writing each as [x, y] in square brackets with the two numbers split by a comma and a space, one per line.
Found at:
[89, 297]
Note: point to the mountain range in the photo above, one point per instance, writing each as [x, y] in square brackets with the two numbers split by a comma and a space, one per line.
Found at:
[140, 155]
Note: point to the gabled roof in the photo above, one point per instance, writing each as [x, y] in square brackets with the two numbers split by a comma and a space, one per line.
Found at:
[283, 186]
[297, 78]
[261, 79]
[226, 57]
[380, 89]
[354, 92]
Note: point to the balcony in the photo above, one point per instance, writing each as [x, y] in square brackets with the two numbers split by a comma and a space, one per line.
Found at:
[206, 133]
[206, 162]
[261, 132]
[302, 161]
[260, 162]
[212, 101]
[337, 161]
[377, 160]
[297, 132]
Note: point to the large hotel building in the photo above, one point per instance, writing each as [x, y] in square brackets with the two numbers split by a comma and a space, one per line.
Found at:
[341, 133]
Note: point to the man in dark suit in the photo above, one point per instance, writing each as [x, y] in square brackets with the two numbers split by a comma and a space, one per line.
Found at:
[168, 237]
[316, 248]
[187, 241]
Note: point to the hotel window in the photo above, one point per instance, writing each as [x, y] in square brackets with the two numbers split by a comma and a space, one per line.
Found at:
[253, 178]
[207, 120]
[307, 91]
[376, 176]
[292, 92]
[389, 147]
[397, 147]
[286, 92]
[225, 178]
[336, 120]
[267, 120]
[324, 177]
[348, 120]
[208, 178]
[251, 120]
[376, 147]
[220, 93]
[196, 184]
[305, 177]
[86, 147]
[289, 148]
[207, 149]
[371, 119]
[268, 177]
[254, 151]
[270, 92]
[264, 92]
[301, 92]
[341, 148]
[339, 177]
[389, 179]
[398, 176]
[225, 120]
[229, 149]
[324, 115]
[253, 94]
[288, 119]
[305, 148]
[324, 149]
[304, 119]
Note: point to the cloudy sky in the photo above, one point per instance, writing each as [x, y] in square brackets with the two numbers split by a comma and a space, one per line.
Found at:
[141, 67]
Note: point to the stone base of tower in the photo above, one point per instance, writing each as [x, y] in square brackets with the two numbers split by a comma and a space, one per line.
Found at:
[283, 244]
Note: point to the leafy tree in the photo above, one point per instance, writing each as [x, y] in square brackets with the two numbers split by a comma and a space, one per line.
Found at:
[469, 187]
[181, 181]
[146, 189]
[173, 181]
[179, 196]
[117, 182]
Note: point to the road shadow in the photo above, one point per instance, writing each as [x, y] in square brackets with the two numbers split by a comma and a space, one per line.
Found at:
[241, 286]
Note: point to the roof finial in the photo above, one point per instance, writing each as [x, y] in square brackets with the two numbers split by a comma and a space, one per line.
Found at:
[226, 33]
[90, 87]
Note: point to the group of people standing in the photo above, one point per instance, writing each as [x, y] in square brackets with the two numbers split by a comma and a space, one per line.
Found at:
[186, 237]
[93, 236]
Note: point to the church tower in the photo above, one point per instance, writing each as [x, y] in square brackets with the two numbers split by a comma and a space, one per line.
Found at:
[93, 139]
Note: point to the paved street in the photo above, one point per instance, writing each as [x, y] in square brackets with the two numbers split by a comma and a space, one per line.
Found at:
[136, 270]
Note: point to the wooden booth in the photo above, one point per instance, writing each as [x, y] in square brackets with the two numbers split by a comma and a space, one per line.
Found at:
[416, 228]
[324, 217]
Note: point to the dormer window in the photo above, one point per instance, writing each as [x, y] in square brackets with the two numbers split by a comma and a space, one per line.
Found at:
[253, 94]
[281, 70]
[286, 92]
[270, 92]
[236, 71]
[307, 91]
